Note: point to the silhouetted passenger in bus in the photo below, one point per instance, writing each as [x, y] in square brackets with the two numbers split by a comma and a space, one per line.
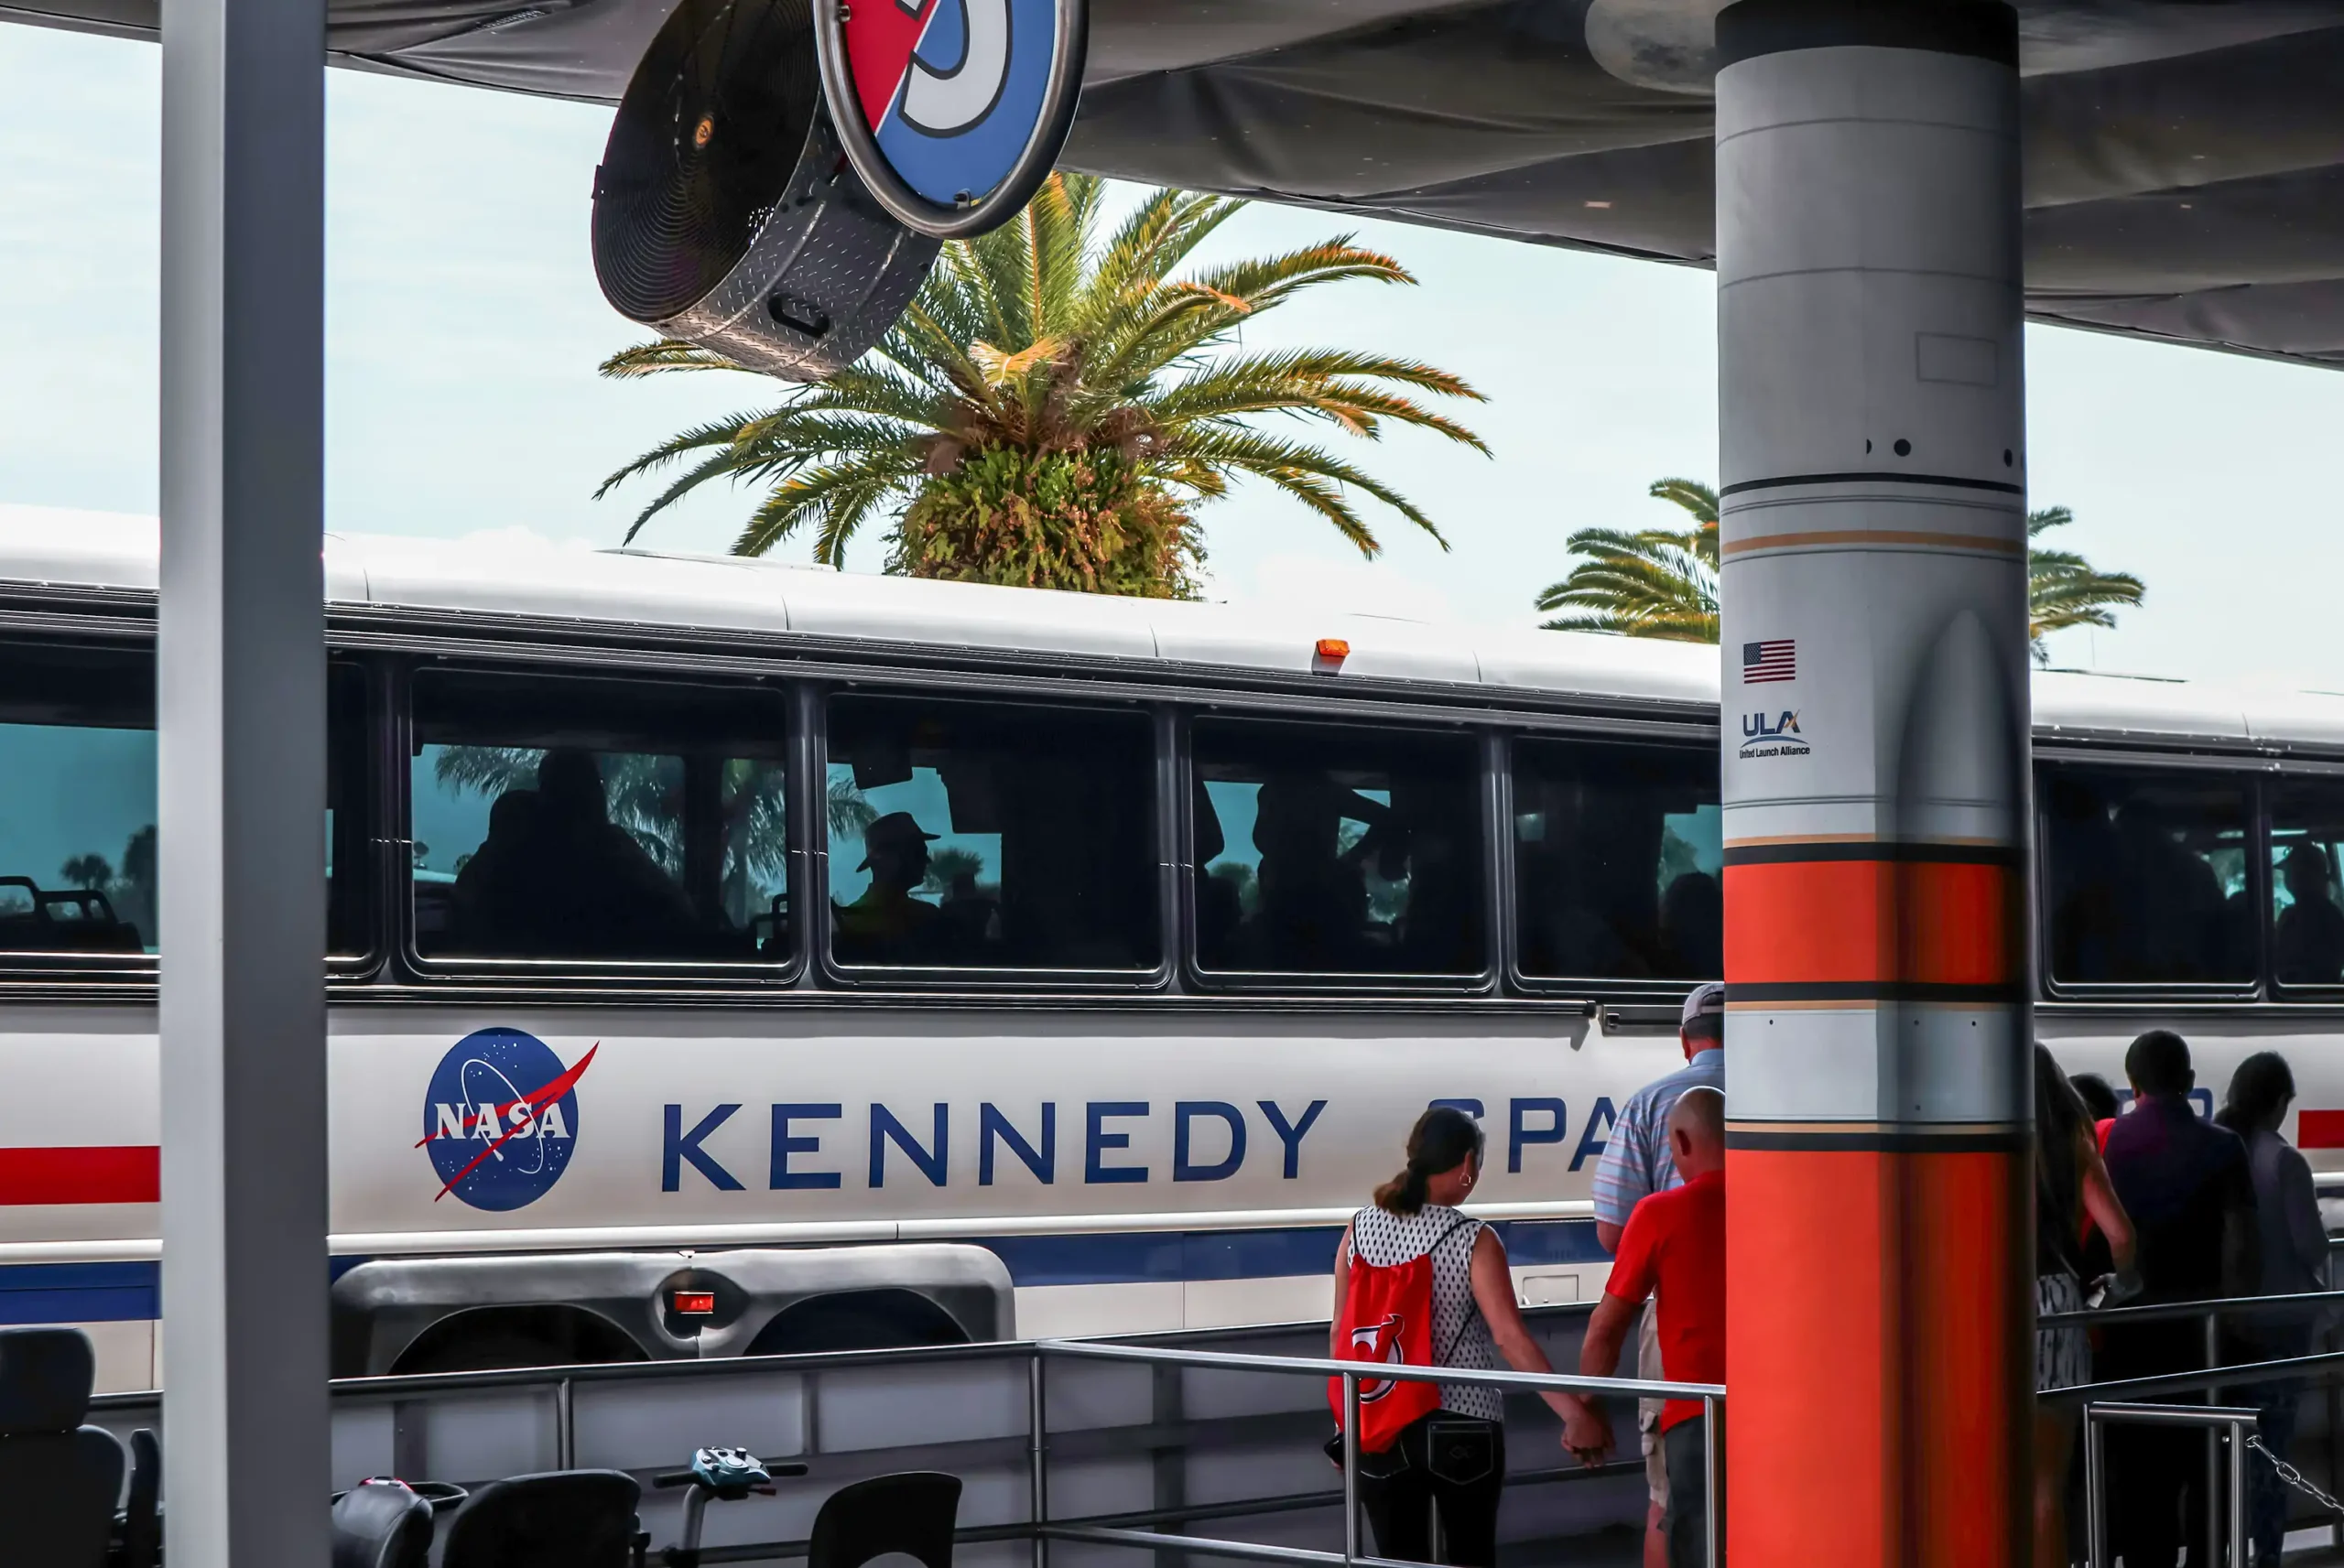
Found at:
[491, 897]
[1311, 913]
[1692, 926]
[2307, 943]
[594, 889]
[1439, 928]
[557, 878]
[1221, 908]
[2087, 895]
[2173, 915]
[886, 924]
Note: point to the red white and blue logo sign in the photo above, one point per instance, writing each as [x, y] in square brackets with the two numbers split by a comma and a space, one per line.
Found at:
[954, 94]
[500, 1119]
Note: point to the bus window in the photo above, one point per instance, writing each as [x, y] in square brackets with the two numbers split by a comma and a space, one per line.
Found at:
[2145, 878]
[1337, 852]
[1618, 856]
[349, 811]
[78, 849]
[558, 816]
[77, 799]
[2306, 897]
[973, 835]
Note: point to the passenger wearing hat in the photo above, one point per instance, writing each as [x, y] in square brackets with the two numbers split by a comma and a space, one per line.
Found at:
[1635, 1164]
[895, 851]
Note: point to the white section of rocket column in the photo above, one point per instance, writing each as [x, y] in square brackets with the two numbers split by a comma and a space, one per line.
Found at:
[1872, 465]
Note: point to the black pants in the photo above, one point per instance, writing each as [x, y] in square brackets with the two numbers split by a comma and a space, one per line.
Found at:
[1687, 1522]
[2156, 1475]
[1453, 1463]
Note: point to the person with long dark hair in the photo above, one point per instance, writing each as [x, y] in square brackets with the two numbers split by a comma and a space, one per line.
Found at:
[2071, 1184]
[2295, 1258]
[1452, 1459]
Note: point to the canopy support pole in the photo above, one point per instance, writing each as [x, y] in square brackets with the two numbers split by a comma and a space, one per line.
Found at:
[1874, 549]
[241, 700]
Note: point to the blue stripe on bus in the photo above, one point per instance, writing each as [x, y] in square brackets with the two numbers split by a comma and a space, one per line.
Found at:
[80, 1292]
[107, 1293]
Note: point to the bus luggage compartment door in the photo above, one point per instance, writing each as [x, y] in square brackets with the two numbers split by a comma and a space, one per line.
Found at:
[475, 1313]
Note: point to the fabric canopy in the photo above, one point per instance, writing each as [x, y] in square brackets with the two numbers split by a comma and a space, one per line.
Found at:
[2185, 158]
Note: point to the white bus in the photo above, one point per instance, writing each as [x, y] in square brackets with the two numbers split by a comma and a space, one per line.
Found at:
[729, 957]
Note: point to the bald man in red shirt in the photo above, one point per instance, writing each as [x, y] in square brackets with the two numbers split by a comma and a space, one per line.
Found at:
[1673, 1245]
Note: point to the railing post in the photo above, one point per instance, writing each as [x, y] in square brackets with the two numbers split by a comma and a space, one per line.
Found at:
[1351, 1467]
[1037, 1424]
[565, 1427]
[1712, 1479]
[2213, 1446]
[2094, 1492]
[2238, 1494]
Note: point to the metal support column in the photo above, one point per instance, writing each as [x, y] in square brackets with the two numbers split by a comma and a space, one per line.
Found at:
[1873, 476]
[241, 695]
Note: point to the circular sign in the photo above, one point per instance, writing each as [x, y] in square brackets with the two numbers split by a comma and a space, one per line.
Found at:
[952, 112]
[500, 1119]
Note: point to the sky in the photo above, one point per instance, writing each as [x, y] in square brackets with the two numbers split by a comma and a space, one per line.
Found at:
[465, 327]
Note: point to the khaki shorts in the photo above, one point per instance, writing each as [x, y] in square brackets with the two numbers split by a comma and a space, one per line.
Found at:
[1648, 1411]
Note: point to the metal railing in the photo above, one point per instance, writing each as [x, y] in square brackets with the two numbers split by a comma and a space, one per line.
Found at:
[1349, 1372]
[2211, 1314]
[2239, 1421]
[1024, 1429]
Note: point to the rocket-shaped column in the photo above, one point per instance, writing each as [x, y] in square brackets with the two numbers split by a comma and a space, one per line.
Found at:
[1874, 522]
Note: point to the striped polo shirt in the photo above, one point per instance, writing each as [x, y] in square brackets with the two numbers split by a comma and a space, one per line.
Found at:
[1635, 1161]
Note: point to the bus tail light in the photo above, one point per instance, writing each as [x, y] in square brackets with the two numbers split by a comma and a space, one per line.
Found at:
[695, 1303]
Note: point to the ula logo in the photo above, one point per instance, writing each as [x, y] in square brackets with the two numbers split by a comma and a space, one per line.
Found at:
[1780, 737]
[1380, 1341]
[500, 1119]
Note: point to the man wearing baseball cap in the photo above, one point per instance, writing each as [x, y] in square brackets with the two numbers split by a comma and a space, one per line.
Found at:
[875, 926]
[1637, 1163]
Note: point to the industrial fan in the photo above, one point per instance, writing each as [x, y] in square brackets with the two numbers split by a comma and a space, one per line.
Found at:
[725, 211]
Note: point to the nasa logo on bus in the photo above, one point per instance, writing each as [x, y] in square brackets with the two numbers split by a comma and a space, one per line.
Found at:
[500, 1119]
[952, 112]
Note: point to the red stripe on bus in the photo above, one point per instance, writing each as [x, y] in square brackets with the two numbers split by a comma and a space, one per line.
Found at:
[2319, 1130]
[105, 1173]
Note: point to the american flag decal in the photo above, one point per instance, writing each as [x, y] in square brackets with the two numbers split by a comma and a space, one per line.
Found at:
[1763, 661]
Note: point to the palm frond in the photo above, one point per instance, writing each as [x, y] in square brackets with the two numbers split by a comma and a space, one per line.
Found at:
[1698, 499]
[834, 498]
[1310, 474]
[2064, 590]
[1048, 341]
[664, 354]
[1651, 583]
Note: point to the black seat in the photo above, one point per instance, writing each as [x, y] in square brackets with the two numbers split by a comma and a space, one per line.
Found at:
[142, 1535]
[561, 1519]
[381, 1524]
[59, 1479]
[912, 1512]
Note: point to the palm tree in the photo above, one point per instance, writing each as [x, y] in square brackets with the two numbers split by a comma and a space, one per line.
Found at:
[1657, 582]
[2064, 590]
[1664, 582]
[1055, 406]
[87, 872]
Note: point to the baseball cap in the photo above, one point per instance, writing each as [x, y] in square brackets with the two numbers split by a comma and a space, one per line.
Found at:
[1706, 1000]
[896, 830]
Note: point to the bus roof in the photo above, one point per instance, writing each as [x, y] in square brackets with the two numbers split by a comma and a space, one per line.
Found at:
[524, 575]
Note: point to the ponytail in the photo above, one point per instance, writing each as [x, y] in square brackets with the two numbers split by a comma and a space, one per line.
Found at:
[1443, 1139]
[1403, 1194]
